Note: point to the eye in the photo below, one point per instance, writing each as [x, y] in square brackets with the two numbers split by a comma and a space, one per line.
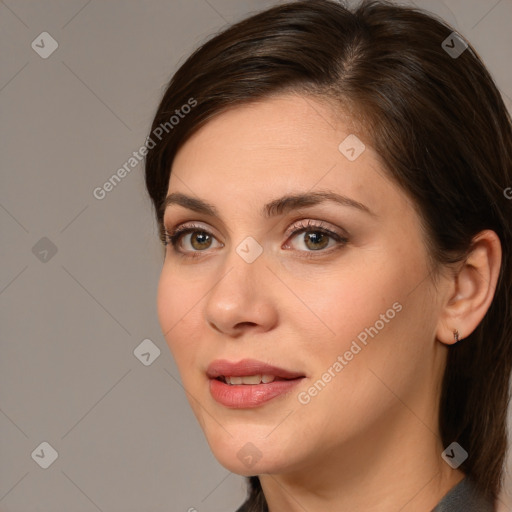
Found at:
[200, 239]
[316, 237]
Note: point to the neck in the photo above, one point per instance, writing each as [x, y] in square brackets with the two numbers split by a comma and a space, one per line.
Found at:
[394, 467]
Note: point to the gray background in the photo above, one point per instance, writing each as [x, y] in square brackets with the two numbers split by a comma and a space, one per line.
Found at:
[125, 436]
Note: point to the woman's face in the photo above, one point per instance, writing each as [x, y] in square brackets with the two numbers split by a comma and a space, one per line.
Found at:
[334, 295]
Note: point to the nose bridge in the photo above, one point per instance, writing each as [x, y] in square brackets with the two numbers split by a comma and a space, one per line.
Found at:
[240, 296]
[244, 252]
[243, 269]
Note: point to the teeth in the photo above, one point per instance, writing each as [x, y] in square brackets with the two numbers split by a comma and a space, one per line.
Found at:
[250, 379]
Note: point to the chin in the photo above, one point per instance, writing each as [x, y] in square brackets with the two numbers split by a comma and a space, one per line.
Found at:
[246, 454]
[247, 463]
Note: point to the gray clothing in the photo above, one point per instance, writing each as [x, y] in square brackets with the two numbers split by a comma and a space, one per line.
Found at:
[462, 498]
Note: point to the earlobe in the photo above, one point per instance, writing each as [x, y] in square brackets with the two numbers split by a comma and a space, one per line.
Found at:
[472, 289]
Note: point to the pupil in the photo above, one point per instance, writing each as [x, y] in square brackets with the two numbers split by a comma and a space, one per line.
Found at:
[202, 237]
[316, 237]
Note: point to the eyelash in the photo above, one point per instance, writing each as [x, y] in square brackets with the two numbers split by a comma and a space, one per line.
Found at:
[176, 234]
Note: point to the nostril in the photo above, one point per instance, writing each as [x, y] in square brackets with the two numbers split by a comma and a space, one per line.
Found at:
[245, 324]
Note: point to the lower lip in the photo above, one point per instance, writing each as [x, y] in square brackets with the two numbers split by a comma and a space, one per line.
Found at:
[245, 396]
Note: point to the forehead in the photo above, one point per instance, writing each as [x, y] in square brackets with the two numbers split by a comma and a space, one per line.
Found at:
[286, 120]
[286, 144]
[277, 132]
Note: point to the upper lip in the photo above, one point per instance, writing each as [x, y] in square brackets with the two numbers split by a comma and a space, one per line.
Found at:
[246, 367]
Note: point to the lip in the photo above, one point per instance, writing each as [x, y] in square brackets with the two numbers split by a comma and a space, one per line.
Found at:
[223, 367]
[246, 396]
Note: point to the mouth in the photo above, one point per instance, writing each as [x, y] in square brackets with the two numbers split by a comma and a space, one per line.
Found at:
[249, 380]
[249, 383]
[250, 371]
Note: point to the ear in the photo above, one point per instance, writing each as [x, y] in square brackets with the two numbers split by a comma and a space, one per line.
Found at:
[471, 289]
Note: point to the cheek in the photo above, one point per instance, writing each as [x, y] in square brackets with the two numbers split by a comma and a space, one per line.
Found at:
[175, 308]
[349, 299]
[372, 345]
[166, 303]
[366, 313]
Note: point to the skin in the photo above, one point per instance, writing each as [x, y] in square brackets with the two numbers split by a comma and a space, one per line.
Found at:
[369, 440]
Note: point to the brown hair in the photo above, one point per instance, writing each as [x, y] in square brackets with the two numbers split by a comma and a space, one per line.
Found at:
[438, 123]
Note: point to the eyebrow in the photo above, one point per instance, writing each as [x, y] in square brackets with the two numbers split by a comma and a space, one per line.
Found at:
[274, 208]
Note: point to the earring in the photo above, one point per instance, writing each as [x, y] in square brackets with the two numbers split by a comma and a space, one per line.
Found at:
[456, 335]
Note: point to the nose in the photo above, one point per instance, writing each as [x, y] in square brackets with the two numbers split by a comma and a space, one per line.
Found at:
[243, 299]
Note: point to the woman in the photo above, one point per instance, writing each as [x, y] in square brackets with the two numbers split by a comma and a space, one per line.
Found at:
[331, 189]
